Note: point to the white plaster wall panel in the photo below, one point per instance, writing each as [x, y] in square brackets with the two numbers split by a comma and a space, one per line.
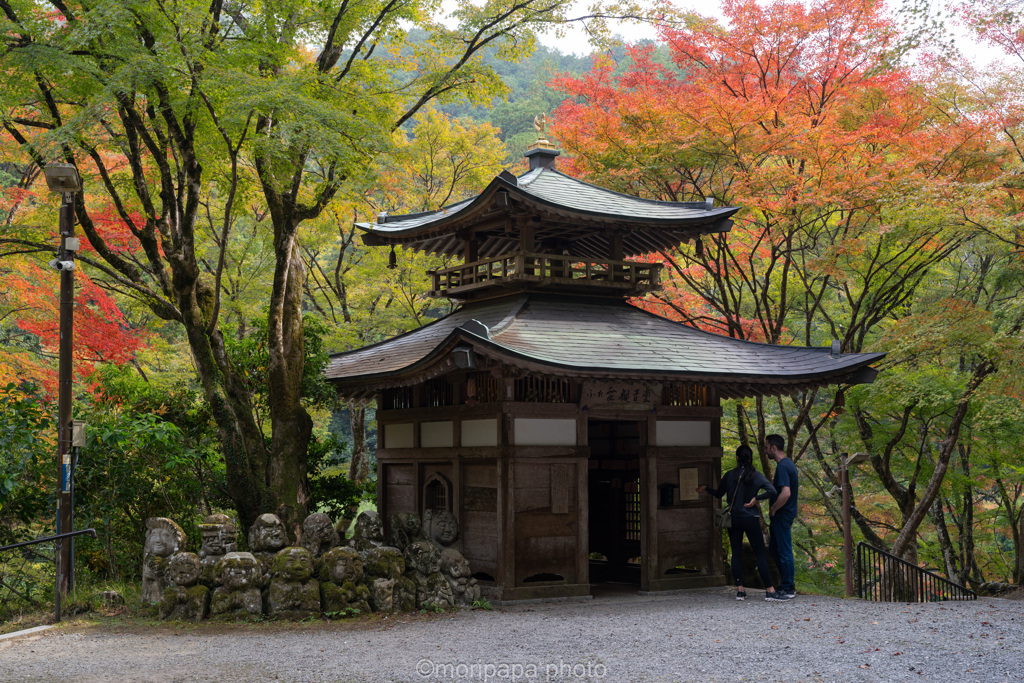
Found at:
[544, 432]
[398, 435]
[682, 433]
[480, 432]
[437, 434]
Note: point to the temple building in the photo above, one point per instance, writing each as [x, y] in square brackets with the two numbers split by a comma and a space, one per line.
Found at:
[564, 427]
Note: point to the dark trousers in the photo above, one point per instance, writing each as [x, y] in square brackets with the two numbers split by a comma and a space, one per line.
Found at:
[751, 526]
[780, 545]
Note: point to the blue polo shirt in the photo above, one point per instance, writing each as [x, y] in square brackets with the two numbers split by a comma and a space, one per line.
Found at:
[786, 475]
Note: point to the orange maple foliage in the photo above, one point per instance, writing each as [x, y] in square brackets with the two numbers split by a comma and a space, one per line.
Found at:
[792, 111]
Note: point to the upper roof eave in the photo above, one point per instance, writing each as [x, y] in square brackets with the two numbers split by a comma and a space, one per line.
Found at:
[379, 234]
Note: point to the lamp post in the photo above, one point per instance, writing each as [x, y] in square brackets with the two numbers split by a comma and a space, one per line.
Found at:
[64, 179]
[844, 482]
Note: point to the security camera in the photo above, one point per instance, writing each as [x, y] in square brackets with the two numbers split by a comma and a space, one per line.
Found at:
[62, 265]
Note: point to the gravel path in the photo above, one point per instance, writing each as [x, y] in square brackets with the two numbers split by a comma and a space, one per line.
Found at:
[700, 635]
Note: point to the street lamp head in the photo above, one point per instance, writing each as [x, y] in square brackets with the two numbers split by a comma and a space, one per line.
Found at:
[62, 178]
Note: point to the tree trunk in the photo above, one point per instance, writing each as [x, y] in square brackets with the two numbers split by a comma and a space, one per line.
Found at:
[292, 427]
[359, 465]
[949, 557]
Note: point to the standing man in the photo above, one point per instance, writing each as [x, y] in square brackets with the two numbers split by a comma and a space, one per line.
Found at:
[782, 513]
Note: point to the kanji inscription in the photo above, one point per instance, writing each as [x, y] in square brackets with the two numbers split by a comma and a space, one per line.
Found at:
[620, 393]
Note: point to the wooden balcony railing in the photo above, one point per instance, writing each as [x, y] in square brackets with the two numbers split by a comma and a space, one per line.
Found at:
[627, 277]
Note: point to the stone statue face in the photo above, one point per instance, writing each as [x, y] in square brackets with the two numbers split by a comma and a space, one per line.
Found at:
[267, 533]
[184, 569]
[340, 565]
[213, 542]
[161, 542]
[444, 528]
[294, 564]
[369, 526]
[238, 571]
[423, 556]
[454, 564]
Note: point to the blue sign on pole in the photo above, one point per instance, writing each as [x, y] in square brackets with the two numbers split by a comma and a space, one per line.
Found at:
[66, 474]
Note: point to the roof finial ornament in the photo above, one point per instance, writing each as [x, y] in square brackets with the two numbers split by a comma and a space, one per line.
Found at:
[540, 124]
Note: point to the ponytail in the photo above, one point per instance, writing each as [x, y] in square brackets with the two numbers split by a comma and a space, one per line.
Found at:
[745, 462]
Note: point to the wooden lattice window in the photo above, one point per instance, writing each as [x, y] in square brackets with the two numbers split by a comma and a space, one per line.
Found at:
[438, 392]
[685, 395]
[632, 490]
[485, 387]
[546, 390]
[396, 398]
[437, 493]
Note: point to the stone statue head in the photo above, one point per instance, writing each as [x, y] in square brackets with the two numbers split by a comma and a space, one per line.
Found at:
[267, 534]
[339, 565]
[184, 569]
[318, 534]
[163, 537]
[368, 527]
[293, 564]
[454, 564]
[423, 557]
[405, 528]
[238, 571]
[441, 526]
[384, 562]
[219, 534]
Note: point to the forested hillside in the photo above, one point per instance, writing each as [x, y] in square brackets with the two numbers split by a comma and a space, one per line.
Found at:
[219, 265]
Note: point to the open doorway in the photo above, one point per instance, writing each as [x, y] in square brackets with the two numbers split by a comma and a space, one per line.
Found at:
[615, 501]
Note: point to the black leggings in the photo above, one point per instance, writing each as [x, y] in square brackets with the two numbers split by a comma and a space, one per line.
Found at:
[751, 526]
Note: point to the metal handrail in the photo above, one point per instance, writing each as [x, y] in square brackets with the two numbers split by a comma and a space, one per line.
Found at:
[884, 577]
[37, 541]
[48, 538]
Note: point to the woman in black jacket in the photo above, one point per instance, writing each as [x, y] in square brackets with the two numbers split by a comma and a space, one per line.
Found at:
[745, 517]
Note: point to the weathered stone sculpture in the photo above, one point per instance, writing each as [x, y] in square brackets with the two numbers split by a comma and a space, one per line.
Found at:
[368, 531]
[238, 595]
[405, 529]
[266, 537]
[318, 534]
[293, 594]
[163, 538]
[441, 527]
[342, 591]
[455, 569]
[219, 535]
[423, 565]
[390, 591]
[184, 597]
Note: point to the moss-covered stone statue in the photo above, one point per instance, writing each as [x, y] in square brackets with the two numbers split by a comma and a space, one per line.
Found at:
[455, 568]
[405, 529]
[163, 538]
[423, 566]
[293, 593]
[318, 534]
[342, 591]
[266, 538]
[219, 535]
[385, 568]
[185, 598]
[238, 595]
[368, 531]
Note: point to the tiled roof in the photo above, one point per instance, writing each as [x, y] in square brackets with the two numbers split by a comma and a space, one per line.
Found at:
[552, 187]
[581, 336]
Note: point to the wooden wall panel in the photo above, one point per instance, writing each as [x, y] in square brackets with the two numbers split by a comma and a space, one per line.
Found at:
[479, 516]
[399, 493]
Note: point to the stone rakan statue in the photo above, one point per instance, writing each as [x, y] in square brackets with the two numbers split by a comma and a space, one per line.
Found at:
[266, 537]
[455, 568]
[238, 595]
[293, 593]
[441, 527]
[368, 531]
[342, 586]
[219, 537]
[185, 598]
[318, 534]
[163, 538]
